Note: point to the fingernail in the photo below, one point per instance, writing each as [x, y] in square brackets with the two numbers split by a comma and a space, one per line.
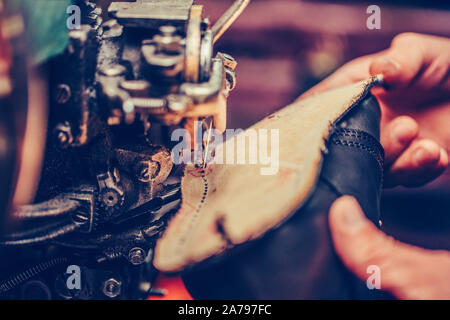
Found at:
[421, 157]
[352, 218]
[387, 67]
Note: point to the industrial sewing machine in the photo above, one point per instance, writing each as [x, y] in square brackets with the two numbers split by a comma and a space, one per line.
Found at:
[108, 184]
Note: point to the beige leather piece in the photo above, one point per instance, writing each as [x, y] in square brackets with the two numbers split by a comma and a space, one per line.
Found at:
[228, 204]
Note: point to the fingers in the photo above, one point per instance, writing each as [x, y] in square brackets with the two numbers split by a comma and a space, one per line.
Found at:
[422, 162]
[399, 64]
[408, 272]
[410, 161]
[397, 136]
[414, 58]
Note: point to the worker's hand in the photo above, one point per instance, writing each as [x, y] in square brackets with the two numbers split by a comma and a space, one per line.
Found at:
[415, 104]
[406, 271]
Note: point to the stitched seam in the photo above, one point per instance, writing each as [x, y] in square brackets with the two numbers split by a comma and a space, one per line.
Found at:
[359, 135]
[368, 143]
[361, 146]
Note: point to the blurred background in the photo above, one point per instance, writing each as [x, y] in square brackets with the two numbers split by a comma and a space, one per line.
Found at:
[284, 47]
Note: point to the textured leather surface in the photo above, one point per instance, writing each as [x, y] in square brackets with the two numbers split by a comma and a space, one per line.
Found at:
[227, 205]
[297, 260]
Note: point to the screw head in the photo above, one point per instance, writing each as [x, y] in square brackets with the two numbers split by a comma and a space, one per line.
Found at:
[146, 170]
[63, 134]
[112, 288]
[136, 256]
[62, 93]
[110, 198]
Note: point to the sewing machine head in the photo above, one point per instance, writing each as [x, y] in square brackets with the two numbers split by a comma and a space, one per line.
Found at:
[117, 91]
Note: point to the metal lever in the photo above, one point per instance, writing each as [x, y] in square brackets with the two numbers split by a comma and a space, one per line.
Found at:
[228, 18]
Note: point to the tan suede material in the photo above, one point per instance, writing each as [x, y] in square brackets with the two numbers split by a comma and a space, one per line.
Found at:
[228, 204]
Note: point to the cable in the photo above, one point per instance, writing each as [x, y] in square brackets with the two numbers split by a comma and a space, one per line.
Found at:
[40, 235]
[52, 208]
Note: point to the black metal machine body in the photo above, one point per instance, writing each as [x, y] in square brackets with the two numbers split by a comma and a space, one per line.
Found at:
[108, 183]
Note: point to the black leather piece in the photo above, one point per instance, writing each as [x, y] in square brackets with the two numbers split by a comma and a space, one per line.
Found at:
[297, 260]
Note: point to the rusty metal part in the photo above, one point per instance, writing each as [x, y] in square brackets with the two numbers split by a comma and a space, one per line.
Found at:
[209, 99]
[228, 18]
[115, 92]
[76, 69]
[195, 100]
[148, 164]
[193, 42]
[146, 170]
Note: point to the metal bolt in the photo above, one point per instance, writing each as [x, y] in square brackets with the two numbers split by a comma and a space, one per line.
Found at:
[112, 288]
[110, 198]
[63, 134]
[144, 175]
[136, 256]
[62, 94]
[146, 170]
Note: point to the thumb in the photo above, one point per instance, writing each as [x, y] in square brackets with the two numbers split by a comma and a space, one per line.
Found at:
[406, 271]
